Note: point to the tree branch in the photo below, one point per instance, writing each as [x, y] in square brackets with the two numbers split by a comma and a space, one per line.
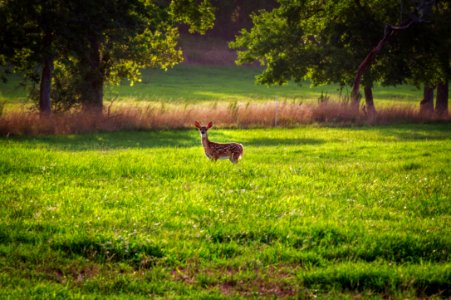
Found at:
[389, 32]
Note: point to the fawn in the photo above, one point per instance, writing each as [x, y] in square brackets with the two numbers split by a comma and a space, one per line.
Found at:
[215, 151]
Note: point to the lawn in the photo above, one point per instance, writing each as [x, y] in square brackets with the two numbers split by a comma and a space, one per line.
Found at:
[309, 212]
[195, 84]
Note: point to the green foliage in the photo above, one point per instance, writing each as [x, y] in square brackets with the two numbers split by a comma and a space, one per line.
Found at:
[308, 212]
[426, 50]
[96, 42]
[199, 16]
[326, 41]
[66, 85]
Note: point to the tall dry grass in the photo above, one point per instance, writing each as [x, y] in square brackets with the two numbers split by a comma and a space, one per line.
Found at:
[239, 115]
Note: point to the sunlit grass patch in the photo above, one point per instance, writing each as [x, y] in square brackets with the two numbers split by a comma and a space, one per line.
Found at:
[308, 212]
[197, 84]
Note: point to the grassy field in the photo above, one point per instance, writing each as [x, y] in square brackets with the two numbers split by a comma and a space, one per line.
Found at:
[309, 212]
[193, 84]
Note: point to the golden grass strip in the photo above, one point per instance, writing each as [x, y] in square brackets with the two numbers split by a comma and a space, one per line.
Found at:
[237, 115]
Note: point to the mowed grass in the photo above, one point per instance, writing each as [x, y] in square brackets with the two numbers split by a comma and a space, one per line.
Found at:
[309, 212]
[197, 84]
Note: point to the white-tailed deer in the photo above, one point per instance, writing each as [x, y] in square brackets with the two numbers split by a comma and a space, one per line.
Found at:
[215, 151]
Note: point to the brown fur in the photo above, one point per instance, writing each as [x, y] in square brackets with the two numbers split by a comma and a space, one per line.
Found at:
[215, 151]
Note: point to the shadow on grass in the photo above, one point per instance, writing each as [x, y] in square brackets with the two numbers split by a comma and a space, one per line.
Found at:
[146, 139]
[228, 136]
[413, 132]
[113, 141]
[282, 142]
[190, 138]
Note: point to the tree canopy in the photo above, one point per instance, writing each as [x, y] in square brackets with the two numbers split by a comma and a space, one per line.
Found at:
[325, 41]
[90, 43]
[73, 48]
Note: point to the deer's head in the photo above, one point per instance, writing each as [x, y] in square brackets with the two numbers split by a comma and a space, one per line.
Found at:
[203, 129]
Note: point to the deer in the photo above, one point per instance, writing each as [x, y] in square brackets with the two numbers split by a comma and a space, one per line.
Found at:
[215, 151]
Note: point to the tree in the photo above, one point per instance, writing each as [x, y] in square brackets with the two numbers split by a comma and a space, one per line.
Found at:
[426, 51]
[232, 15]
[434, 62]
[31, 29]
[325, 41]
[442, 24]
[321, 41]
[121, 37]
[100, 40]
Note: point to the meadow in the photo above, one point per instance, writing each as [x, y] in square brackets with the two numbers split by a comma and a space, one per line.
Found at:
[309, 212]
[329, 207]
[226, 94]
[199, 84]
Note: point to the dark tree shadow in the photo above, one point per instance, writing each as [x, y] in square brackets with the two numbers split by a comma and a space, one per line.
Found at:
[412, 132]
[115, 140]
[190, 138]
[282, 142]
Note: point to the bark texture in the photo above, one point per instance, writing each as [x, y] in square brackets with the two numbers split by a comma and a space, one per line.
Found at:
[46, 77]
[369, 101]
[427, 104]
[388, 33]
[441, 104]
[92, 89]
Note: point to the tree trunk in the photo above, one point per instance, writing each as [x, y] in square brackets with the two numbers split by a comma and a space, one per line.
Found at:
[369, 102]
[45, 87]
[92, 89]
[388, 33]
[46, 77]
[441, 104]
[427, 104]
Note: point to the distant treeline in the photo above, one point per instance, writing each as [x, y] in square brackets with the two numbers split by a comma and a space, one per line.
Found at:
[232, 16]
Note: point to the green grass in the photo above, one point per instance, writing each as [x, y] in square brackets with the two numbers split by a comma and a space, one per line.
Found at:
[200, 83]
[13, 90]
[308, 212]
[187, 83]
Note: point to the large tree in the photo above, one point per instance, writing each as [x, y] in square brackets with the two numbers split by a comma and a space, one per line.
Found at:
[418, 52]
[326, 41]
[424, 54]
[29, 39]
[97, 41]
[321, 41]
[437, 58]
[123, 36]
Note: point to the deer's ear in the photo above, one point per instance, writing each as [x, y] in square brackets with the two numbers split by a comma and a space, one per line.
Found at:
[197, 124]
[210, 124]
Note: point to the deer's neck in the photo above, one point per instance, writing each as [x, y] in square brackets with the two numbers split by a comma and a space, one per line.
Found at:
[205, 141]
